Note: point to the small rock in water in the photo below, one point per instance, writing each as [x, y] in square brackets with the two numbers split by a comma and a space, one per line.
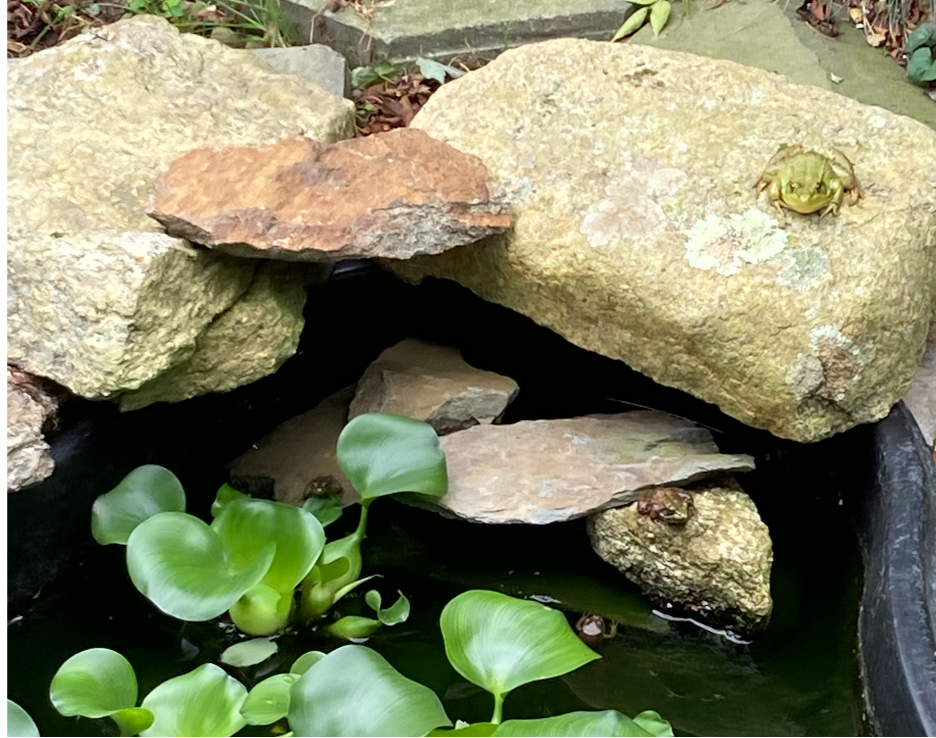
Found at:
[715, 566]
[434, 383]
[393, 195]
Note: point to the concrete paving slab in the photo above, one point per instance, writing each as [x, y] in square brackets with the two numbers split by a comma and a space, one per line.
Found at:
[315, 62]
[769, 35]
[401, 30]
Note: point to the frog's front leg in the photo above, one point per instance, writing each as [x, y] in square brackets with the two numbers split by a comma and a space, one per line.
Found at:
[845, 171]
[773, 196]
[836, 191]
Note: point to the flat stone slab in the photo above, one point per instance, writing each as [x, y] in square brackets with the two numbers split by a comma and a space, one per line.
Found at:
[393, 195]
[315, 62]
[549, 471]
[401, 31]
[921, 399]
[433, 383]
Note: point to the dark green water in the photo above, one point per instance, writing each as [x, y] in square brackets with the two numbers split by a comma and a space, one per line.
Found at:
[798, 678]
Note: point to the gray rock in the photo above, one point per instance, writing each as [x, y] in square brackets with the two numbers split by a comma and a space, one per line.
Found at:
[300, 450]
[316, 63]
[28, 409]
[642, 238]
[433, 383]
[548, 471]
[921, 399]
[98, 298]
[716, 565]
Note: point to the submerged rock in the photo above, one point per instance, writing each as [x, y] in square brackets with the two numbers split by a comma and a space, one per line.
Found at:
[548, 471]
[712, 562]
[433, 383]
[300, 452]
[392, 195]
[99, 299]
[641, 237]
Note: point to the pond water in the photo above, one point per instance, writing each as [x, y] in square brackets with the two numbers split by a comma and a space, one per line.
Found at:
[800, 677]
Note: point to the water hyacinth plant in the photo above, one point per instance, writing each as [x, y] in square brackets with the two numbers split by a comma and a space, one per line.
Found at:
[250, 559]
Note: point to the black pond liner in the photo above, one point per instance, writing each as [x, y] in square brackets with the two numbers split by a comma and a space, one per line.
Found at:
[359, 312]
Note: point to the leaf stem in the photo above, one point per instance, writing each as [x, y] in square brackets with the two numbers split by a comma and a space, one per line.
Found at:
[498, 709]
[362, 524]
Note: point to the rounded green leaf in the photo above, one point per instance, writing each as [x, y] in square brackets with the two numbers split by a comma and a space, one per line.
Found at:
[247, 526]
[383, 454]
[262, 610]
[634, 22]
[94, 684]
[659, 14]
[19, 723]
[143, 493]
[248, 653]
[133, 720]
[921, 67]
[181, 565]
[204, 702]
[351, 627]
[269, 700]
[305, 662]
[500, 642]
[354, 691]
[651, 721]
[225, 495]
[924, 35]
[609, 723]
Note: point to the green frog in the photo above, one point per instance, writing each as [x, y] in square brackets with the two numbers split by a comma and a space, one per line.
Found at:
[669, 505]
[807, 181]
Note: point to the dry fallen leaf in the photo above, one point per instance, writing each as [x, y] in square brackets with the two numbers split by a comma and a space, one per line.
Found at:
[876, 39]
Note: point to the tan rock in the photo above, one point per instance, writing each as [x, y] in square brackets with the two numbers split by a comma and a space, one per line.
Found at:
[548, 471]
[29, 409]
[394, 195]
[300, 450]
[434, 383]
[715, 566]
[642, 238]
[99, 298]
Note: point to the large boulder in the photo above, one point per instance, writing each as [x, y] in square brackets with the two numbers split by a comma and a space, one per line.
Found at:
[99, 298]
[639, 234]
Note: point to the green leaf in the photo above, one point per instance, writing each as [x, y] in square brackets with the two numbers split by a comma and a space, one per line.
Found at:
[181, 565]
[325, 509]
[262, 610]
[363, 76]
[133, 720]
[651, 721]
[269, 700]
[393, 615]
[19, 723]
[335, 574]
[500, 642]
[306, 661]
[921, 67]
[248, 526]
[387, 70]
[351, 627]
[923, 35]
[94, 683]
[383, 454]
[94, 9]
[354, 691]
[143, 493]
[634, 22]
[248, 653]
[226, 495]
[204, 702]
[659, 14]
[609, 723]
[431, 69]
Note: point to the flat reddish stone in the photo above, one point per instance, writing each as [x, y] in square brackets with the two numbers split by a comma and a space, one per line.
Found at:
[392, 195]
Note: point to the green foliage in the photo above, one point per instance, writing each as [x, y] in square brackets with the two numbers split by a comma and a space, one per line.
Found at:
[921, 50]
[354, 691]
[352, 627]
[500, 642]
[431, 69]
[19, 723]
[657, 11]
[383, 71]
[143, 493]
[249, 653]
[269, 700]
[204, 702]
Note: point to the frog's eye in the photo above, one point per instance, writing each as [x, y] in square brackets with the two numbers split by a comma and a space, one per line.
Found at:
[794, 186]
[820, 187]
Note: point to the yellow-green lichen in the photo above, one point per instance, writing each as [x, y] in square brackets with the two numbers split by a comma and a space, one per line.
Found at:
[727, 244]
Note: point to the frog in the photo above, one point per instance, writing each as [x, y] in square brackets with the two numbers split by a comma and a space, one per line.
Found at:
[807, 181]
[593, 629]
[670, 505]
